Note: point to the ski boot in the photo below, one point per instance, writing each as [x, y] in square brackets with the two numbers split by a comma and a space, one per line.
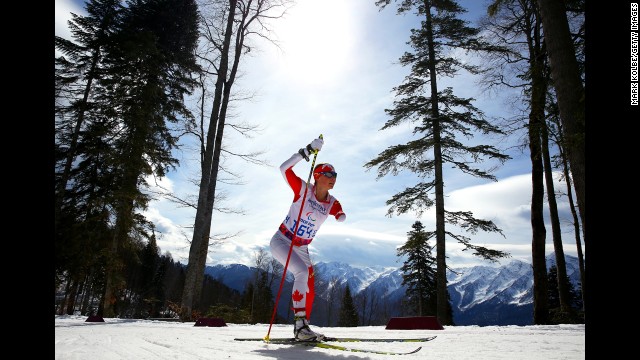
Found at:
[301, 330]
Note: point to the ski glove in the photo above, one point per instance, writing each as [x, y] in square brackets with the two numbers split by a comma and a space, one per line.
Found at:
[316, 144]
[314, 147]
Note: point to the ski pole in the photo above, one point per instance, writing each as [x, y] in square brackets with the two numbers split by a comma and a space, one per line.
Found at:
[295, 232]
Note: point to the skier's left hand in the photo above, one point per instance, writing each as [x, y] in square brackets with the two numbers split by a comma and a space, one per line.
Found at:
[316, 144]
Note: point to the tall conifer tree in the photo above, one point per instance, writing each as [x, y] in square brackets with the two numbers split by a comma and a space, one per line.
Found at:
[441, 118]
[81, 215]
[147, 71]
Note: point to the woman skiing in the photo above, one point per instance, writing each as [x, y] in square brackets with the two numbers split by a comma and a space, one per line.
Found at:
[317, 205]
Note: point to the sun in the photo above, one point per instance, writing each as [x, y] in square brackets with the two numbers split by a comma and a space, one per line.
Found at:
[317, 39]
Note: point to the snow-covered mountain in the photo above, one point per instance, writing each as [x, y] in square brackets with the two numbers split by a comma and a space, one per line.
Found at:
[480, 295]
[358, 279]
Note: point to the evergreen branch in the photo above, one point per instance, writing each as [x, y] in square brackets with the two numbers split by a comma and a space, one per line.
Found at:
[480, 251]
[466, 221]
[412, 198]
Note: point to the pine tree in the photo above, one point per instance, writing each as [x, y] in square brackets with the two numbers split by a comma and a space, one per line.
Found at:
[419, 271]
[441, 118]
[348, 316]
[75, 73]
[136, 63]
[82, 219]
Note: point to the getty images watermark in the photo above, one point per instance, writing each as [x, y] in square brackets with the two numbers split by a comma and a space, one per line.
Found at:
[634, 53]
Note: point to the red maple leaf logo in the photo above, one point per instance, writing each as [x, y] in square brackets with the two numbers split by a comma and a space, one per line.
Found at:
[296, 296]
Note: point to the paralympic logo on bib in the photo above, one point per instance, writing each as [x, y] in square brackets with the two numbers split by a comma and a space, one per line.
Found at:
[308, 215]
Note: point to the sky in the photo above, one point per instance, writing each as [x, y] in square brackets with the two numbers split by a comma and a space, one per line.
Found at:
[333, 74]
[76, 339]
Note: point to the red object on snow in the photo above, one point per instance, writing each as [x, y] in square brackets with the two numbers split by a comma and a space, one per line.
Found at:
[414, 323]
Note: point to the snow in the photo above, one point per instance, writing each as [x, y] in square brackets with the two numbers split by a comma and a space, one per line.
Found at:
[148, 339]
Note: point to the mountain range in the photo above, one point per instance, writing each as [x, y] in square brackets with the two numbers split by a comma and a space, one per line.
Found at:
[480, 295]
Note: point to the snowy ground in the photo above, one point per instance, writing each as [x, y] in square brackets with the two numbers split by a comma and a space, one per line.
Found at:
[152, 340]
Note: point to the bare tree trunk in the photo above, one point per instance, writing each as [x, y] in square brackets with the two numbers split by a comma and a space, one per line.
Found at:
[71, 300]
[536, 122]
[576, 223]
[65, 300]
[202, 223]
[569, 90]
[540, 301]
[260, 261]
[109, 297]
[556, 232]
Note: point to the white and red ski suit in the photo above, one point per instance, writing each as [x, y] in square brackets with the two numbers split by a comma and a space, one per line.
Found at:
[314, 213]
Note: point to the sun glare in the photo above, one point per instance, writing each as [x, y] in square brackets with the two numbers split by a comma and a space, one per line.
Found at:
[316, 38]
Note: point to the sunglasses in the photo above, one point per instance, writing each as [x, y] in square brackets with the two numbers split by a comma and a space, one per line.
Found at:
[330, 174]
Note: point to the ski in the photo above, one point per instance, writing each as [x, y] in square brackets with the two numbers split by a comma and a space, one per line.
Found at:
[338, 339]
[424, 339]
[324, 345]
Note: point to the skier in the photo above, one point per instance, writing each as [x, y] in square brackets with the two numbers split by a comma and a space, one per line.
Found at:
[318, 205]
